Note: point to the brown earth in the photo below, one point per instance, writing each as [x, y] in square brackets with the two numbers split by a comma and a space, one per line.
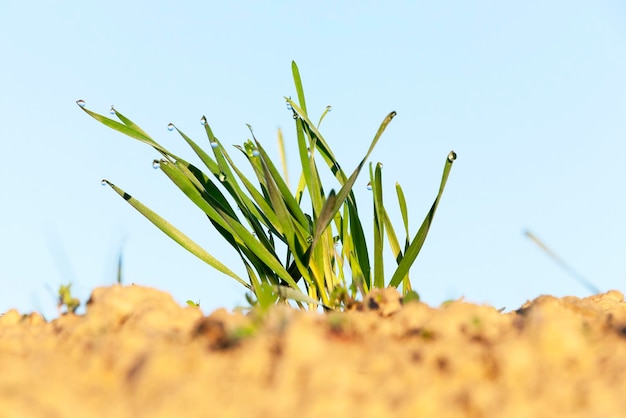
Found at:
[137, 353]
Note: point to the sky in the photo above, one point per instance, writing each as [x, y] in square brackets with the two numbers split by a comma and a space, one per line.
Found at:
[531, 96]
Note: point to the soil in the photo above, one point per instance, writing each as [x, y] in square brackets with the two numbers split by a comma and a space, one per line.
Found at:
[137, 353]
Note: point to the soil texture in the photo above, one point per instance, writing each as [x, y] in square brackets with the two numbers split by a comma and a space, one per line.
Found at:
[137, 353]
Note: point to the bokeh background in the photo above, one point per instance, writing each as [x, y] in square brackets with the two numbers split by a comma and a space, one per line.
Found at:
[531, 96]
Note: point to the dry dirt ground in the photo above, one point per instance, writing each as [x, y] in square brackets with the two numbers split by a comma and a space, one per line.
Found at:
[136, 353]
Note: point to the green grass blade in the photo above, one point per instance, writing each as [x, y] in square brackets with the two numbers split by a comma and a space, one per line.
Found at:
[325, 217]
[344, 234]
[328, 109]
[396, 250]
[404, 212]
[392, 238]
[175, 234]
[204, 157]
[418, 241]
[406, 282]
[379, 226]
[201, 191]
[361, 252]
[303, 154]
[298, 82]
[300, 189]
[128, 122]
[285, 220]
[282, 156]
[264, 210]
[129, 131]
[310, 176]
[318, 140]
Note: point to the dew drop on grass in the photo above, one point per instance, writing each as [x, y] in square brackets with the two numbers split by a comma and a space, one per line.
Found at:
[156, 164]
[112, 111]
[289, 106]
[369, 185]
[203, 120]
[222, 177]
[380, 165]
[392, 114]
[452, 156]
[249, 147]
[104, 182]
[80, 103]
[329, 108]
[170, 127]
[256, 153]
[214, 144]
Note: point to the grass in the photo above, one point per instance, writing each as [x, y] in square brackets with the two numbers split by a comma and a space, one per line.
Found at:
[67, 300]
[260, 217]
[591, 287]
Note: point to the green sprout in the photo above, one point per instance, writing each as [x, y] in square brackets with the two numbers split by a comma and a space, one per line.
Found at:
[193, 304]
[261, 221]
[66, 299]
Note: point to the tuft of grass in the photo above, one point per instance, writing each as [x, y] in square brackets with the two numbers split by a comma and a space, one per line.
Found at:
[66, 299]
[261, 217]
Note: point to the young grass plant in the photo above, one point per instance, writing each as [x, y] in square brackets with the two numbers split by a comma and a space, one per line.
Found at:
[322, 246]
[66, 299]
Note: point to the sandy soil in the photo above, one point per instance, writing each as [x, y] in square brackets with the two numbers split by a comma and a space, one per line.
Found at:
[137, 353]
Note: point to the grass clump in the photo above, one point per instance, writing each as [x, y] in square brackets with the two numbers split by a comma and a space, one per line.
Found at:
[66, 299]
[262, 217]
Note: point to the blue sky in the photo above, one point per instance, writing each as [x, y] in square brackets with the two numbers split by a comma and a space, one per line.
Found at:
[531, 96]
